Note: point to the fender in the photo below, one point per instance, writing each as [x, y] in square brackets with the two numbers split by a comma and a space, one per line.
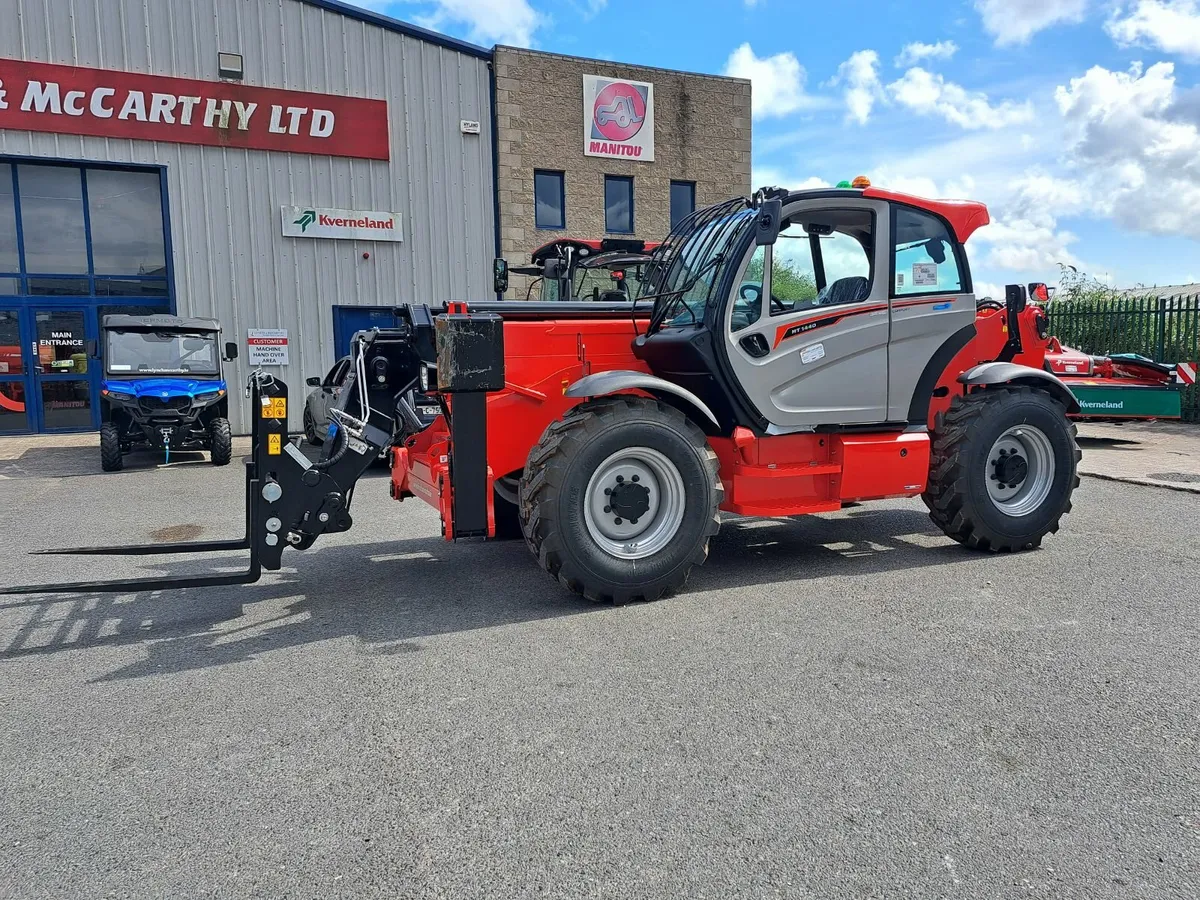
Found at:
[1012, 373]
[617, 381]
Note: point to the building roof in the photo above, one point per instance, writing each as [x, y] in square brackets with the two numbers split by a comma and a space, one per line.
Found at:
[412, 31]
[1166, 291]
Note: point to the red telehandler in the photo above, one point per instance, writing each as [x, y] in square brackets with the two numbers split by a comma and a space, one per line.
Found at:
[611, 436]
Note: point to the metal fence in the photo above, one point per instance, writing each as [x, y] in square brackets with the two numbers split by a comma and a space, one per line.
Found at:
[1164, 329]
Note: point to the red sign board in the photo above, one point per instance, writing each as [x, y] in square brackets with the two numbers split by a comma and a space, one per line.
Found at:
[71, 100]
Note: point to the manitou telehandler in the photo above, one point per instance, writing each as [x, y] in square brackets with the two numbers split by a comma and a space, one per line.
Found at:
[611, 436]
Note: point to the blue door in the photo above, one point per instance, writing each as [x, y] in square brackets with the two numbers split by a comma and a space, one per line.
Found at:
[15, 407]
[349, 319]
[64, 378]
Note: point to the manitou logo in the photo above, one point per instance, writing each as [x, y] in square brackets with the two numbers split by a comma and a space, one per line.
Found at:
[618, 118]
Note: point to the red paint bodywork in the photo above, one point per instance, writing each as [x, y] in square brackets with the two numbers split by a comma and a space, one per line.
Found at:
[782, 475]
[965, 216]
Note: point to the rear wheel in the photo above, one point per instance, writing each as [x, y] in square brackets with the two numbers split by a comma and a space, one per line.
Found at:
[620, 498]
[1003, 470]
[220, 442]
[110, 448]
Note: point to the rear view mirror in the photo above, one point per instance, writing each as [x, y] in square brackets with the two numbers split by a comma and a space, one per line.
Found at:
[91, 349]
[500, 275]
[1015, 297]
[766, 225]
[1039, 292]
[231, 352]
[313, 381]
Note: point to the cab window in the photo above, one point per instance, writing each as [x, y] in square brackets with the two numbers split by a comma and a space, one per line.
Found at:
[924, 254]
[823, 258]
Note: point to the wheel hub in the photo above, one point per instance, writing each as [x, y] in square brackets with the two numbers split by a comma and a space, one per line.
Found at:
[628, 499]
[1020, 470]
[634, 503]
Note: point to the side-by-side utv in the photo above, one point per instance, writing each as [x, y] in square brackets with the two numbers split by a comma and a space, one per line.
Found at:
[789, 354]
[163, 388]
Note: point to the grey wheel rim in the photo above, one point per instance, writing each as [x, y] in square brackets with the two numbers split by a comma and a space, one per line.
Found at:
[634, 503]
[1020, 470]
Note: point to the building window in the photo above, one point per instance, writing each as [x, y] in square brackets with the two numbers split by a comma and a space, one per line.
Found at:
[683, 200]
[549, 196]
[71, 231]
[618, 204]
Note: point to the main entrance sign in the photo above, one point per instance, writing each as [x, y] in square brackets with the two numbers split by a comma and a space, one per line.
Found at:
[73, 100]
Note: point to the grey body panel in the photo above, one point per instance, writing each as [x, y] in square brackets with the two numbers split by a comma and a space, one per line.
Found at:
[848, 382]
[1013, 373]
[920, 327]
[615, 381]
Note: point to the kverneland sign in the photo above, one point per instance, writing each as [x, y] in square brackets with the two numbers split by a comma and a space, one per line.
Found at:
[71, 100]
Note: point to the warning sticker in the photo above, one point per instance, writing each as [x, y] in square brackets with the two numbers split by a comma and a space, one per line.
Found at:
[925, 274]
[274, 408]
[274, 444]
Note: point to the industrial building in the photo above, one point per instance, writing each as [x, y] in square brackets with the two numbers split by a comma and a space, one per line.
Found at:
[295, 169]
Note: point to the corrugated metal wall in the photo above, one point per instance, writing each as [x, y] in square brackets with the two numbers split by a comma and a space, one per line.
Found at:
[231, 260]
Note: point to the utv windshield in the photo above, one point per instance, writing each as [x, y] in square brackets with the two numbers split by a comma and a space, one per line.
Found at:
[682, 277]
[161, 353]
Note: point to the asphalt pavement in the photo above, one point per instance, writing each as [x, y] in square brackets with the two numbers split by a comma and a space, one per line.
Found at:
[845, 705]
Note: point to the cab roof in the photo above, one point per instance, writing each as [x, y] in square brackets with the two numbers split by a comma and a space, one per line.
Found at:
[965, 217]
[159, 323]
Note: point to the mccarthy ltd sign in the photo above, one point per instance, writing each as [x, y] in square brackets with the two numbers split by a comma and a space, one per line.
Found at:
[340, 224]
[618, 118]
[72, 100]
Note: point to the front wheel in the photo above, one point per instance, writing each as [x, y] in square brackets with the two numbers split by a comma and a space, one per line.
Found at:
[220, 442]
[1003, 469]
[110, 448]
[619, 499]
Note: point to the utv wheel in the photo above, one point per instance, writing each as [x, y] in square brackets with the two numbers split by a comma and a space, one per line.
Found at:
[220, 442]
[110, 448]
[310, 430]
[1003, 468]
[620, 498]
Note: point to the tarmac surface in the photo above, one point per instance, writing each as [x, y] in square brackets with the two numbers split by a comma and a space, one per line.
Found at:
[847, 705]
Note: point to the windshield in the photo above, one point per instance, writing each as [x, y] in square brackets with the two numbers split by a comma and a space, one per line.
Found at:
[162, 353]
[589, 280]
[686, 268]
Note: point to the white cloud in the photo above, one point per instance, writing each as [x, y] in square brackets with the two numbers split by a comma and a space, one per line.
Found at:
[918, 51]
[777, 82]
[1172, 26]
[487, 21]
[1016, 21]
[860, 76]
[1129, 142]
[929, 94]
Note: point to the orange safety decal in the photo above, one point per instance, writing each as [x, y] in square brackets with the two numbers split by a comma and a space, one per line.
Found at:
[274, 408]
[274, 444]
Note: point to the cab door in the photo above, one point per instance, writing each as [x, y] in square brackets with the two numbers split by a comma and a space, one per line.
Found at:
[807, 330]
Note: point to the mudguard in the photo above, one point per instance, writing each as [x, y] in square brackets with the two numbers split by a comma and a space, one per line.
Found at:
[614, 382]
[1012, 373]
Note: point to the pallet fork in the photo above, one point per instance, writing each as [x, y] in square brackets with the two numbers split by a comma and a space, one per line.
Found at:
[290, 500]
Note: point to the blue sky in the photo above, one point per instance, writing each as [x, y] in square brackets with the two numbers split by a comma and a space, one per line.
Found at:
[1077, 121]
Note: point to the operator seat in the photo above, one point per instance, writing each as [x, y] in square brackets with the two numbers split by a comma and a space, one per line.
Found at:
[845, 290]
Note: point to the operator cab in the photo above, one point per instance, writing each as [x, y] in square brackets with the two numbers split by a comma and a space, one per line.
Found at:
[835, 313]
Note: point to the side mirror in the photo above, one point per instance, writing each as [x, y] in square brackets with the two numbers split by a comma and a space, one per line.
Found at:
[313, 381]
[1015, 297]
[766, 225]
[1039, 292]
[231, 351]
[91, 348]
[500, 275]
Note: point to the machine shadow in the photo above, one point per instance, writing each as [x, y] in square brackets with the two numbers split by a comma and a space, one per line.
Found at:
[390, 595]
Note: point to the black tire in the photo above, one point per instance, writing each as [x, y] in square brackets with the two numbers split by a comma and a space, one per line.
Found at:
[556, 478]
[110, 448]
[220, 442]
[310, 430]
[957, 495]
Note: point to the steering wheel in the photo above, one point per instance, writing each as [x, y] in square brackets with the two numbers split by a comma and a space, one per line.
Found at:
[777, 305]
